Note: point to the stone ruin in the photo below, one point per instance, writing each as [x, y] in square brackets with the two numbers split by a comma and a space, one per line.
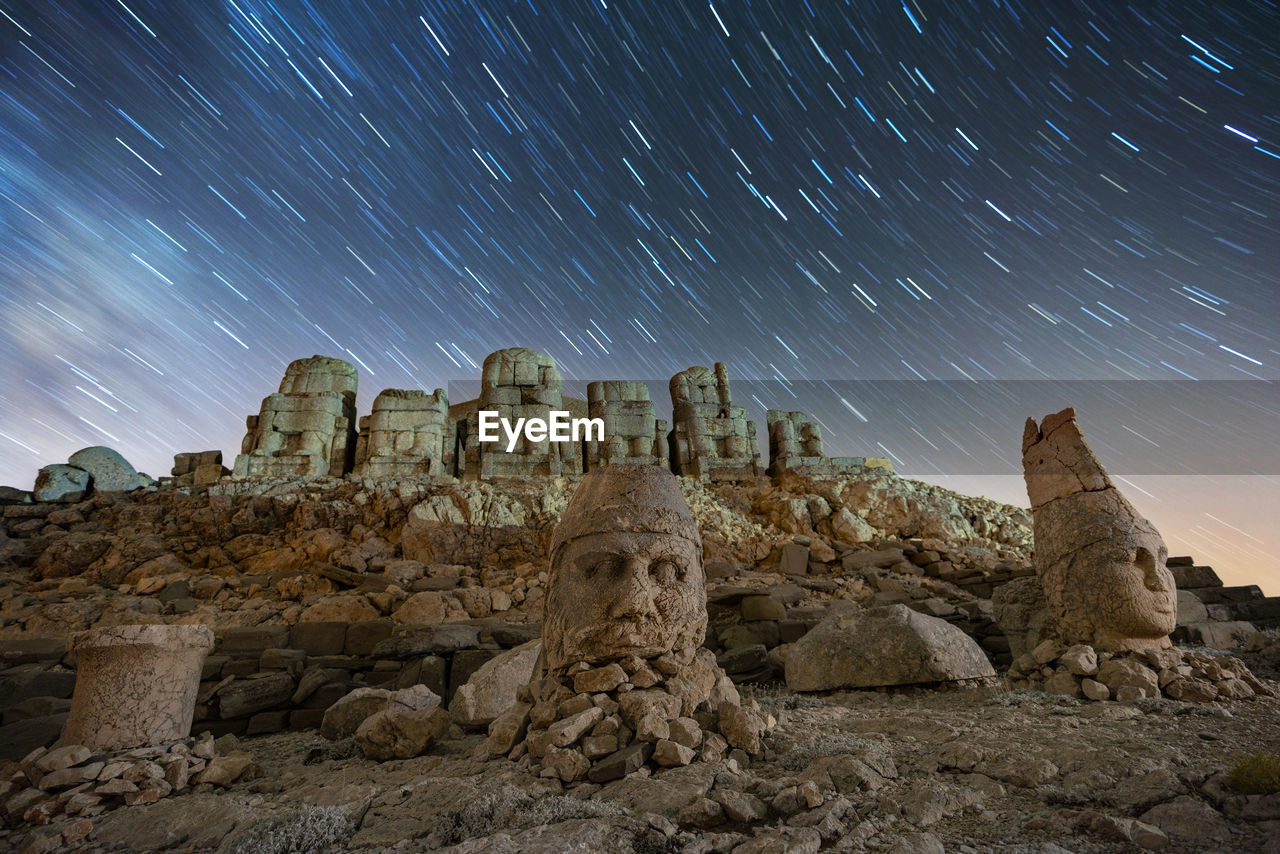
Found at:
[1101, 565]
[409, 433]
[795, 447]
[631, 432]
[622, 678]
[194, 468]
[711, 438]
[1095, 620]
[136, 686]
[517, 383]
[308, 427]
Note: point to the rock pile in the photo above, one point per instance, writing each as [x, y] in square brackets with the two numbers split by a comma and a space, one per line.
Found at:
[602, 723]
[74, 781]
[1081, 671]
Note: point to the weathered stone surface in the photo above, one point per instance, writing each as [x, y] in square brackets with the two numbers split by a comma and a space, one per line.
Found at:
[246, 696]
[1188, 821]
[1125, 673]
[408, 433]
[344, 717]
[626, 571]
[891, 645]
[60, 483]
[135, 685]
[568, 730]
[620, 764]
[1101, 564]
[517, 383]
[711, 439]
[410, 723]
[668, 753]
[307, 428]
[413, 641]
[742, 726]
[631, 432]
[1022, 613]
[110, 471]
[491, 690]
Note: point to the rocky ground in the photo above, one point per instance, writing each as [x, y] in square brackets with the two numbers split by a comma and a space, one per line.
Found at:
[309, 587]
[979, 770]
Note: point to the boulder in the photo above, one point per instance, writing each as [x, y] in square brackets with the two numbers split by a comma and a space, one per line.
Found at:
[491, 690]
[61, 483]
[110, 471]
[891, 645]
[402, 729]
[344, 717]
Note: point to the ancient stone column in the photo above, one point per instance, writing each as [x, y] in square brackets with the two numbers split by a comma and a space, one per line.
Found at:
[308, 427]
[135, 685]
[631, 433]
[711, 439]
[408, 433]
[1101, 564]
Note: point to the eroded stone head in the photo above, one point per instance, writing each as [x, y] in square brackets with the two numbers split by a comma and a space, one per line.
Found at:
[626, 571]
[1101, 564]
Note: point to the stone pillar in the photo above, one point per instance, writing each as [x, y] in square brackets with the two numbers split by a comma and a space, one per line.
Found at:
[517, 383]
[136, 686]
[308, 427]
[631, 432]
[711, 439]
[408, 433]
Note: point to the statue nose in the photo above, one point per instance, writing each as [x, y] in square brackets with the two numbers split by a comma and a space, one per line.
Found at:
[635, 590]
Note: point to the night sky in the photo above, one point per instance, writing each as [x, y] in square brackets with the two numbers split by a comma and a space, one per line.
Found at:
[193, 195]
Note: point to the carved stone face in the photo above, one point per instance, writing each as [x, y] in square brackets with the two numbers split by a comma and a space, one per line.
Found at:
[1131, 595]
[1115, 593]
[626, 571]
[627, 594]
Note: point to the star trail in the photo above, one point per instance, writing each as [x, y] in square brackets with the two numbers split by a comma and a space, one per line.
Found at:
[194, 194]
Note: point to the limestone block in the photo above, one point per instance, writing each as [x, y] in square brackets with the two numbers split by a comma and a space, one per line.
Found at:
[711, 438]
[890, 645]
[135, 685]
[409, 432]
[308, 427]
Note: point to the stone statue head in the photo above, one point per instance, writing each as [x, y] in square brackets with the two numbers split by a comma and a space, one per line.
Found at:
[1100, 562]
[626, 571]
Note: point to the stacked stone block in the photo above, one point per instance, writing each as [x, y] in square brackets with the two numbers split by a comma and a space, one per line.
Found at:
[795, 446]
[631, 433]
[602, 723]
[517, 383]
[711, 438]
[198, 467]
[306, 429]
[409, 433]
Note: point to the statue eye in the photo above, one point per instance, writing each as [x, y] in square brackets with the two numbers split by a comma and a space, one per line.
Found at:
[664, 571]
[604, 565]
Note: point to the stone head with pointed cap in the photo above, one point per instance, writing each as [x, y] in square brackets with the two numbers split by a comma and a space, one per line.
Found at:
[626, 571]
